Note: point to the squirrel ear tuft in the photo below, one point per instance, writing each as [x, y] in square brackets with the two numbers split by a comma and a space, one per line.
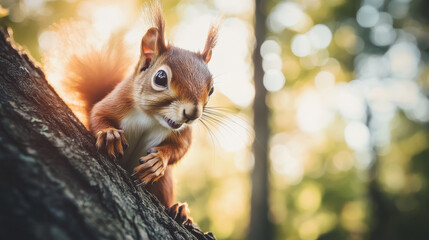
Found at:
[153, 42]
[160, 25]
[210, 43]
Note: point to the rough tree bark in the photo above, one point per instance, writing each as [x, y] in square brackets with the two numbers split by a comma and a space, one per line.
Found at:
[53, 182]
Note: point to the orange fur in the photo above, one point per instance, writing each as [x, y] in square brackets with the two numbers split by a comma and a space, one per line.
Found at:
[82, 69]
[97, 73]
[210, 43]
[164, 189]
[118, 107]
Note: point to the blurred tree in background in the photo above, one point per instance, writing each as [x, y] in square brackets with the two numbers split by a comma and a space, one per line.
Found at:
[348, 110]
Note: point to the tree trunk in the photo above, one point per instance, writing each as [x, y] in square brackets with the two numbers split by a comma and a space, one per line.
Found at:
[260, 226]
[53, 182]
[381, 207]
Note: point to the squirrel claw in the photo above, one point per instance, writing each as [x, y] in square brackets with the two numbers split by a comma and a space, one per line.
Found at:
[151, 168]
[142, 183]
[112, 141]
[180, 213]
[152, 150]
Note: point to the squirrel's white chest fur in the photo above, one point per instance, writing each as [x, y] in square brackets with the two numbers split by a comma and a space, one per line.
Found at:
[142, 133]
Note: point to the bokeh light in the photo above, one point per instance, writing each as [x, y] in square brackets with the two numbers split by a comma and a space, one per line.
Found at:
[367, 16]
[347, 93]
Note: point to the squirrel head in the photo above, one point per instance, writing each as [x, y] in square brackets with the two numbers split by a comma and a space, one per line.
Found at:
[171, 84]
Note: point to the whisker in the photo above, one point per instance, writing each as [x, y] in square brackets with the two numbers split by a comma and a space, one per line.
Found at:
[212, 136]
[211, 123]
[236, 121]
[224, 112]
[219, 123]
[219, 108]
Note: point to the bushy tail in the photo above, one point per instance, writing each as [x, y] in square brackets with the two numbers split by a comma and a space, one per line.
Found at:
[83, 69]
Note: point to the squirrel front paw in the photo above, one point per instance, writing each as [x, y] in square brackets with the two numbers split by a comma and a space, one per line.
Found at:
[113, 141]
[151, 168]
[180, 213]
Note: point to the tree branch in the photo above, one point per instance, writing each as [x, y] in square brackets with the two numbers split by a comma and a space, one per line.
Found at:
[53, 182]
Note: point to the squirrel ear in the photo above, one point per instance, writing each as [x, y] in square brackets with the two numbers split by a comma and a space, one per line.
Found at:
[148, 44]
[210, 43]
[153, 42]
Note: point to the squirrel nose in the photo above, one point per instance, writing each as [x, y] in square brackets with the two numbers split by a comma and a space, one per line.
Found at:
[191, 114]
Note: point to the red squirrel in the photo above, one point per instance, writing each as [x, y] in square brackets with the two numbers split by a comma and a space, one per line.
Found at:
[145, 119]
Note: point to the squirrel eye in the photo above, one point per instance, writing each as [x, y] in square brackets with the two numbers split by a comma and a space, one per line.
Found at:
[211, 91]
[161, 79]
